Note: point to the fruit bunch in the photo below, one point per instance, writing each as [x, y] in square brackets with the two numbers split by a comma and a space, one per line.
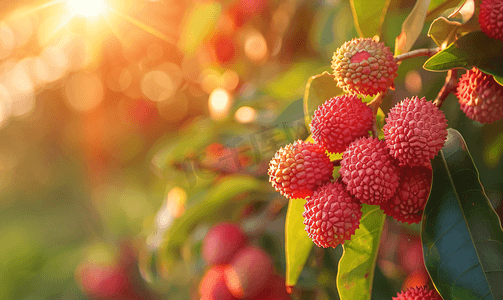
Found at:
[237, 270]
[416, 293]
[394, 173]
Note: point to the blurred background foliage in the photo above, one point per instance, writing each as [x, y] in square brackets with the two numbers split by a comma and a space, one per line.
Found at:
[145, 124]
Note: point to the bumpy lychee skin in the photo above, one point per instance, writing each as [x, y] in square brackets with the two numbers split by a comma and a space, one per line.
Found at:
[480, 96]
[249, 272]
[369, 171]
[363, 66]
[299, 168]
[410, 198]
[415, 131]
[490, 18]
[340, 121]
[331, 215]
[418, 293]
[221, 243]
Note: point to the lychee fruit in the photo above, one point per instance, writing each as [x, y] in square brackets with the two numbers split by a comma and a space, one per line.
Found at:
[299, 168]
[331, 215]
[369, 171]
[249, 272]
[480, 96]
[415, 131]
[275, 290]
[410, 198]
[212, 285]
[491, 18]
[364, 66]
[416, 293]
[340, 121]
[222, 242]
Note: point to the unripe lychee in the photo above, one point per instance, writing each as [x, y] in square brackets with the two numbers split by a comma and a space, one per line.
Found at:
[480, 96]
[299, 168]
[415, 131]
[369, 171]
[222, 242]
[491, 18]
[416, 293]
[212, 285]
[331, 215]
[340, 121]
[249, 272]
[408, 203]
[363, 66]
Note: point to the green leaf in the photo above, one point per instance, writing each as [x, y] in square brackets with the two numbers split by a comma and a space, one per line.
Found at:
[412, 27]
[198, 25]
[357, 265]
[474, 49]
[216, 198]
[442, 30]
[461, 233]
[319, 88]
[368, 16]
[297, 242]
[437, 7]
[499, 79]
[289, 84]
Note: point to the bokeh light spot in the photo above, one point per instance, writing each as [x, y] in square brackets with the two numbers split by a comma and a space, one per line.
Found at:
[157, 85]
[245, 114]
[84, 91]
[413, 82]
[86, 8]
[256, 47]
[219, 103]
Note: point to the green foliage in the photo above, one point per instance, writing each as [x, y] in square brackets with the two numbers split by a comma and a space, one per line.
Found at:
[319, 88]
[357, 265]
[437, 7]
[298, 245]
[368, 16]
[199, 23]
[461, 233]
[474, 49]
[412, 27]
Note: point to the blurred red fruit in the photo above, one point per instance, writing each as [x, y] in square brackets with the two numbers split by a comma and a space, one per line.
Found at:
[416, 278]
[411, 257]
[142, 112]
[102, 281]
[213, 287]
[275, 290]
[249, 272]
[224, 47]
[222, 242]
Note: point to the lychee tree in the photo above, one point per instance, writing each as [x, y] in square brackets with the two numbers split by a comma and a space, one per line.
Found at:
[406, 164]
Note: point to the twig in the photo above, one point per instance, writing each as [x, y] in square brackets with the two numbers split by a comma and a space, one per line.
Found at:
[376, 102]
[451, 81]
[374, 128]
[337, 162]
[416, 53]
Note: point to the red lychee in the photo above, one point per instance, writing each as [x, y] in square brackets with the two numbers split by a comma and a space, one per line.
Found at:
[491, 18]
[369, 171]
[418, 293]
[212, 285]
[222, 242]
[249, 272]
[340, 121]
[364, 66]
[331, 215]
[415, 131]
[480, 96]
[410, 198]
[298, 169]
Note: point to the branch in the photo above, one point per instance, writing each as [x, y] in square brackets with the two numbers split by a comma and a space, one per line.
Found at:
[451, 82]
[418, 52]
[374, 128]
[376, 102]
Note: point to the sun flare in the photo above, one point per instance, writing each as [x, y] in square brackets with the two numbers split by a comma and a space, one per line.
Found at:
[87, 8]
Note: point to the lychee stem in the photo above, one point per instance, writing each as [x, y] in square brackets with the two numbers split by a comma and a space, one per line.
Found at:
[376, 102]
[374, 128]
[451, 82]
[337, 162]
[418, 52]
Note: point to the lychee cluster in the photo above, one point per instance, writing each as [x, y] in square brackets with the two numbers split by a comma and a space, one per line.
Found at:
[417, 293]
[237, 270]
[480, 96]
[394, 173]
